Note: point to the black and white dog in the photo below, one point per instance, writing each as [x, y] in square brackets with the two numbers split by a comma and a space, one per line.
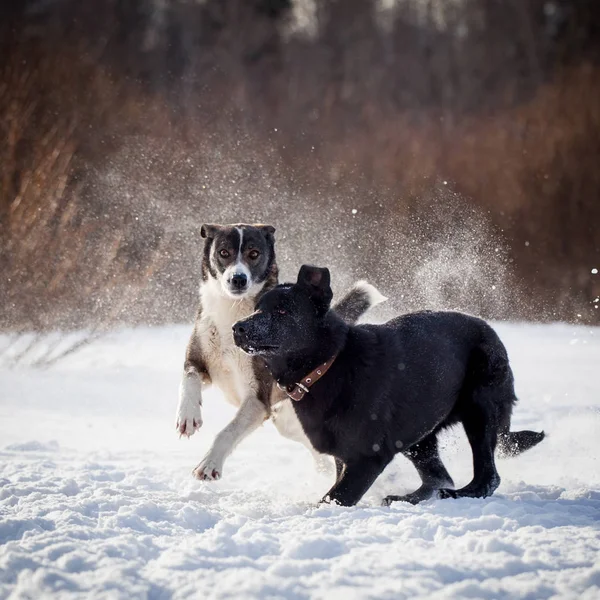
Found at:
[364, 393]
[239, 266]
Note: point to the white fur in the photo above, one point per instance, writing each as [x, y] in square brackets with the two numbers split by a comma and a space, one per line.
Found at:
[189, 408]
[230, 369]
[373, 294]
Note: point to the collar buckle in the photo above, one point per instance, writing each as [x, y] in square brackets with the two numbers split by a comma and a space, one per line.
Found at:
[297, 391]
[302, 387]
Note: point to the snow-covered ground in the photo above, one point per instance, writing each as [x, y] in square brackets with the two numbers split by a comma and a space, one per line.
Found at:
[97, 499]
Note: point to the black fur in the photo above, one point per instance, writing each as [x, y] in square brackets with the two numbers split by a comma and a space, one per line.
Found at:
[391, 389]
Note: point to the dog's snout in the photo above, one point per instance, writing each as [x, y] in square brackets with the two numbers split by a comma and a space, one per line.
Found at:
[239, 330]
[239, 281]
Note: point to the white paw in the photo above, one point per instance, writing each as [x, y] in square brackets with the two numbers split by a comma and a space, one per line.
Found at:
[210, 469]
[189, 409]
[189, 416]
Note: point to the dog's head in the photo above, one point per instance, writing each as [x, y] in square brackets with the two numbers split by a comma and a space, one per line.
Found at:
[288, 318]
[240, 257]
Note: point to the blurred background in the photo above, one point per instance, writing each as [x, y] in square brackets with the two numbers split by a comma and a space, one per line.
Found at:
[447, 150]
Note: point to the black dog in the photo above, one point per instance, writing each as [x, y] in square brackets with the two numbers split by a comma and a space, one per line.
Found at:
[368, 392]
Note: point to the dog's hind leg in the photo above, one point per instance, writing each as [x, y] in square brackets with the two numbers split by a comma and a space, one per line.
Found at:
[481, 422]
[434, 476]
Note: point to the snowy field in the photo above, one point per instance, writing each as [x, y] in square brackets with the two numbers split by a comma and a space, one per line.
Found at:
[97, 501]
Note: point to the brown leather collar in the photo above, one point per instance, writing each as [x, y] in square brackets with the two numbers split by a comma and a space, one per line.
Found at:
[297, 391]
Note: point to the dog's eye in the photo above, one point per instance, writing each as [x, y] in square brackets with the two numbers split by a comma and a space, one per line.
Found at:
[281, 311]
[254, 254]
[224, 253]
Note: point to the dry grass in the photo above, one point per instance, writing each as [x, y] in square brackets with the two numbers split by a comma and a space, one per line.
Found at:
[530, 168]
[77, 249]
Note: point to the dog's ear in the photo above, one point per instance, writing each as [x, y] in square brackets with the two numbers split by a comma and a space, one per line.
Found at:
[317, 282]
[266, 229]
[209, 230]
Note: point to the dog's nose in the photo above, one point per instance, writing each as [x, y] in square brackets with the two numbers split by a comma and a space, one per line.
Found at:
[239, 330]
[238, 281]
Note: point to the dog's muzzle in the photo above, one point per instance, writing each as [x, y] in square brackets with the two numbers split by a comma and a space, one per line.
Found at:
[238, 283]
[247, 342]
[240, 334]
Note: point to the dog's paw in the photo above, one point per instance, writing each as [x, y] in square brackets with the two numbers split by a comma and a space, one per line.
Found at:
[208, 470]
[445, 493]
[189, 417]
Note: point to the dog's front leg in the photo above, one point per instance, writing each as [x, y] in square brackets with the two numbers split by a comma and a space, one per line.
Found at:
[189, 407]
[195, 376]
[355, 479]
[251, 414]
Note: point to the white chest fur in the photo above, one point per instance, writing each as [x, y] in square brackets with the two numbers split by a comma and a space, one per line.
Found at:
[229, 368]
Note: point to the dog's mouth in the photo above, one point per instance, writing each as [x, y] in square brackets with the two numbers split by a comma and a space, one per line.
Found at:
[252, 348]
[237, 292]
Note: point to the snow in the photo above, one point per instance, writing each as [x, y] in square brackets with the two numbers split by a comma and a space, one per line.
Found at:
[97, 499]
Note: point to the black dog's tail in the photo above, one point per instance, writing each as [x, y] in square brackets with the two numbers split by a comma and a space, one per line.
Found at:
[357, 301]
[511, 443]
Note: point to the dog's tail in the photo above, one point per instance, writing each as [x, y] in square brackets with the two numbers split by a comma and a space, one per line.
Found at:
[357, 301]
[511, 443]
